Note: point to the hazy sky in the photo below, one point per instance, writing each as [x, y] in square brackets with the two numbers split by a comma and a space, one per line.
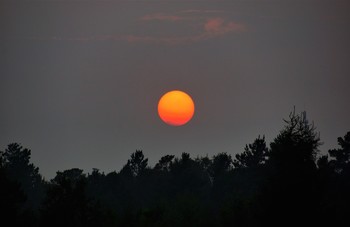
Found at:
[80, 80]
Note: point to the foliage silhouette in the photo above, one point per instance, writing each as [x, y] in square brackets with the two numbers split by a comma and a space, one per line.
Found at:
[342, 155]
[12, 199]
[22, 187]
[292, 173]
[16, 163]
[335, 178]
[254, 154]
[164, 163]
[287, 180]
[136, 165]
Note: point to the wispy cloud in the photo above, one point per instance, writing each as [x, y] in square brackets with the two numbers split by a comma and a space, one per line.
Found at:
[162, 17]
[201, 11]
[208, 23]
[190, 14]
[218, 26]
[211, 28]
[202, 25]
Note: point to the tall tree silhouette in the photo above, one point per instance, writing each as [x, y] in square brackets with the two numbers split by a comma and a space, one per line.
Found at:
[291, 190]
[298, 141]
[12, 199]
[336, 196]
[16, 164]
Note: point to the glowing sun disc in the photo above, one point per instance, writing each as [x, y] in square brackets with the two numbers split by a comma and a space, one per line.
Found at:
[176, 108]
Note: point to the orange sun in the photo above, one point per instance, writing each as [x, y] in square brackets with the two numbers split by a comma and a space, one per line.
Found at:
[176, 108]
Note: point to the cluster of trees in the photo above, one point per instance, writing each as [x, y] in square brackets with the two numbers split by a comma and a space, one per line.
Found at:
[288, 182]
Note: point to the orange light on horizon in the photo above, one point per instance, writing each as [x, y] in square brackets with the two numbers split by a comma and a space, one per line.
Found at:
[176, 108]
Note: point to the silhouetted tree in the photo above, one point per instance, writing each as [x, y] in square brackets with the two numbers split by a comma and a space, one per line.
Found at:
[12, 199]
[221, 164]
[188, 176]
[342, 155]
[16, 164]
[96, 183]
[164, 163]
[267, 184]
[298, 141]
[291, 189]
[325, 168]
[205, 162]
[336, 182]
[254, 154]
[66, 203]
[136, 165]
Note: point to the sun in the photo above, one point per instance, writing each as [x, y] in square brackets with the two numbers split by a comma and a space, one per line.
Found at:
[176, 108]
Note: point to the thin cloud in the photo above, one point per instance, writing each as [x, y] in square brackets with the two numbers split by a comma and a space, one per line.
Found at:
[162, 17]
[206, 27]
[201, 19]
[212, 28]
[218, 26]
[195, 14]
[203, 11]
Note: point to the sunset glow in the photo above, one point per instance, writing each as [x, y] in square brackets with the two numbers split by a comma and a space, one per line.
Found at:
[176, 108]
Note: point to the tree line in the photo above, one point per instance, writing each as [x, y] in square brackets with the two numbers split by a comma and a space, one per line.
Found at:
[286, 182]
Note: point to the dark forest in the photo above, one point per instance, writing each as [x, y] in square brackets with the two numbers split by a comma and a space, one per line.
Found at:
[288, 181]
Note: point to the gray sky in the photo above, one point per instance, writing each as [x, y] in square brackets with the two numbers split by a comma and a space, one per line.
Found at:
[80, 80]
